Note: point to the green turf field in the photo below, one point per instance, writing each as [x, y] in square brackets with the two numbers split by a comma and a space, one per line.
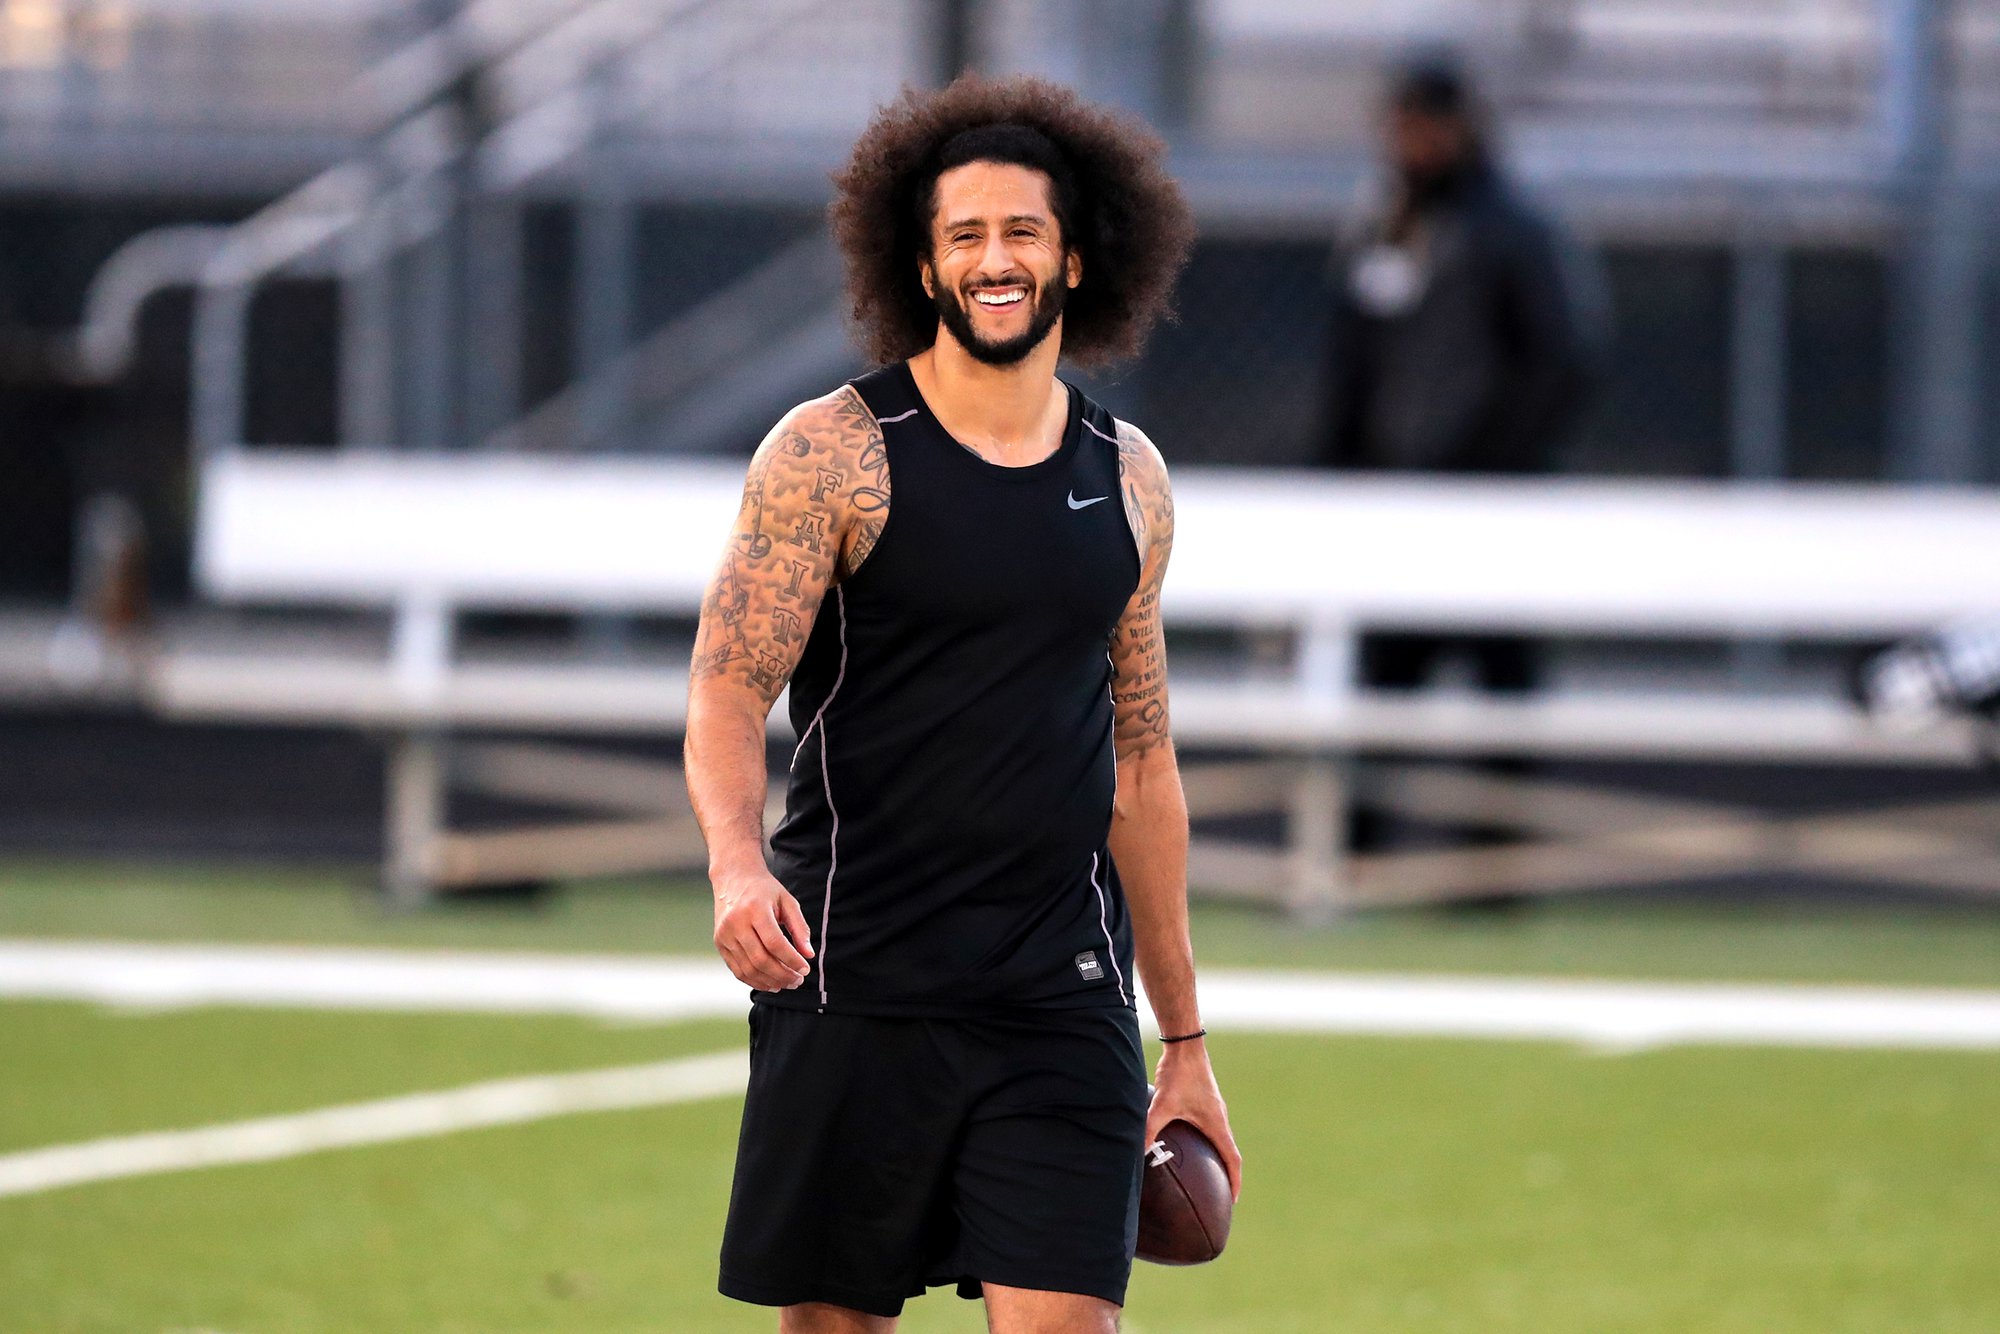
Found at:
[1929, 946]
[1419, 1186]
[1394, 1185]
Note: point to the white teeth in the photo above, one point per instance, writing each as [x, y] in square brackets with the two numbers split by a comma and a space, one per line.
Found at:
[998, 298]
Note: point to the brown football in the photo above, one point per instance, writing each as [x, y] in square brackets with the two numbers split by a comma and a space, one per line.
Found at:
[1184, 1204]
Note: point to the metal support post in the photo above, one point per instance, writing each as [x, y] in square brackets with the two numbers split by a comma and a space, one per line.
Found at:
[606, 242]
[1757, 363]
[1935, 410]
[368, 331]
[1316, 830]
[441, 321]
[416, 812]
[603, 316]
[431, 360]
[493, 375]
[1178, 92]
[954, 38]
[221, 351]
[1130, 51]
[1938, 387]
[1757, 389]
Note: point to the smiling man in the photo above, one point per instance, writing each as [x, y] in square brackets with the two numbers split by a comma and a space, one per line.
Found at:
[956, 562]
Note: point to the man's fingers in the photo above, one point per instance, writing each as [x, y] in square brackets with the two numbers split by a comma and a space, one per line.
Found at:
[1225, 1148]
[1214, 1127]
[795, 924]
[739, 967]
[749, 964]
[751, 937]
[1213, 1122]
[1232, 1161]
[778, 949]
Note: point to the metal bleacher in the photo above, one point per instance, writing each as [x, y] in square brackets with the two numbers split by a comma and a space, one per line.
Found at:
[1710, 120]
[151, 95]
[1740, 124]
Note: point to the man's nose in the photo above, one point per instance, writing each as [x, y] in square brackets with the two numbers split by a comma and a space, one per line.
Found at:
[996, 260]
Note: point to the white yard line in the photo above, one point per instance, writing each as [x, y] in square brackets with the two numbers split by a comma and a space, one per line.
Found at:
[500, 1102]
[631, 987]
[634, 988]
[1614, 1015]
[1602, 1015]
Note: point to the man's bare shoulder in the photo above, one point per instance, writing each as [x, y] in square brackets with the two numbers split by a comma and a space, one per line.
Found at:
[1149, 500]
[1138, 453]
[835, 428]
[814, 501]
[828, 452]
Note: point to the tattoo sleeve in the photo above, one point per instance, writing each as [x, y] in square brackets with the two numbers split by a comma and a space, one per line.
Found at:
[814, 502]
[1138, 644]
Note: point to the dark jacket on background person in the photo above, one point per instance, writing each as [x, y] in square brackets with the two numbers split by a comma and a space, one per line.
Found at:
[1467, 336]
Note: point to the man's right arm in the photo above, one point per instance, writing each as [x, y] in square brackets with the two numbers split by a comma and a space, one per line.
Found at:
[813, 503]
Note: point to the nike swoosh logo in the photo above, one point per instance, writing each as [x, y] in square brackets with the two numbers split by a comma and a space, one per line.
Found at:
[1076, 504]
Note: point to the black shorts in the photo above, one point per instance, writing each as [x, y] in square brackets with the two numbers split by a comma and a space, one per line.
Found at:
[882, 1156]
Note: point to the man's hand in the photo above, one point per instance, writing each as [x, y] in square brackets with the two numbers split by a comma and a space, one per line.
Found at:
[1184, 1089]
[759, 931]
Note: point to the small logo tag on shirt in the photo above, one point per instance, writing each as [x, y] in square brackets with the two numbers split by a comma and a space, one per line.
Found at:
[1087, 964]
[1076, 504]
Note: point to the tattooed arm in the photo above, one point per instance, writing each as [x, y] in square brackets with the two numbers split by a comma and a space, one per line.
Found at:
[814, 503]
[1149, 820]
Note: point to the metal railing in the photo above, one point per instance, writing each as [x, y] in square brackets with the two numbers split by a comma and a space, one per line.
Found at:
[346, 220]
[180, 63]
[609, 103]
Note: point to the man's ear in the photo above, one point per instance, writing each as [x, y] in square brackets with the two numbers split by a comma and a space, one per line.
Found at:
[925, 276]
[1073, 268]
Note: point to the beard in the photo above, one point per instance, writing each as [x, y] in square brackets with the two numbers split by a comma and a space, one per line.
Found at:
[952, 311]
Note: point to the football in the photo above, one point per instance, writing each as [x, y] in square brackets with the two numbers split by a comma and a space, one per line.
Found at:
[1184, 1204]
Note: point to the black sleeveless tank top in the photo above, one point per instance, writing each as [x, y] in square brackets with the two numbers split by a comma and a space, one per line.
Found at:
[950, 798]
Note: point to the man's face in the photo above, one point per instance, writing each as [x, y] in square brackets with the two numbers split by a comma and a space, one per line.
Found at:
[1424, 146]
[998, 271]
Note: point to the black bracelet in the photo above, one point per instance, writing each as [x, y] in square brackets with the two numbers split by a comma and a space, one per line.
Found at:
[1187, 1037]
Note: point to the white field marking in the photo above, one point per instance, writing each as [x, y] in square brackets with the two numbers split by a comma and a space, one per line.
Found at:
[1606, 1016]
[499, 1102]
[621, 987]
[1612, 1016]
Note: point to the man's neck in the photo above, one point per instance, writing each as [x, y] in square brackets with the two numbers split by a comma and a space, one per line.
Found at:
[1010, 415]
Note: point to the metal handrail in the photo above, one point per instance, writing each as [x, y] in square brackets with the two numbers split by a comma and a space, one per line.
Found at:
[699, 344]
[561, 121]
[397, 89]
[225, 263]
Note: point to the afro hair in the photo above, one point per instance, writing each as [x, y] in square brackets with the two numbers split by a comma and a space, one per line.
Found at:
[1115, 203]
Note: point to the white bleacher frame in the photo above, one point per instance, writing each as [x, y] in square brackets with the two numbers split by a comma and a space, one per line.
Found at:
[1317, 557]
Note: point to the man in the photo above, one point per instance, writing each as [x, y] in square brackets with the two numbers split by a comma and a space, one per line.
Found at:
[956, 562]
[1466, 336]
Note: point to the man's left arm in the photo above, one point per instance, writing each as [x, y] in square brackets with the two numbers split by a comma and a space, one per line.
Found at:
[1149, 822]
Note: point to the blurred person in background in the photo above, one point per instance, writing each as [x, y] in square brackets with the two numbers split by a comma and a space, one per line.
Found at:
[1468, 327]
[1467, 337]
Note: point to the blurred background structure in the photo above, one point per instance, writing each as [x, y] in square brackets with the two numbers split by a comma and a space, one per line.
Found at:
[376, 378]
[557, 225]
[377, 381]
[563, 228]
